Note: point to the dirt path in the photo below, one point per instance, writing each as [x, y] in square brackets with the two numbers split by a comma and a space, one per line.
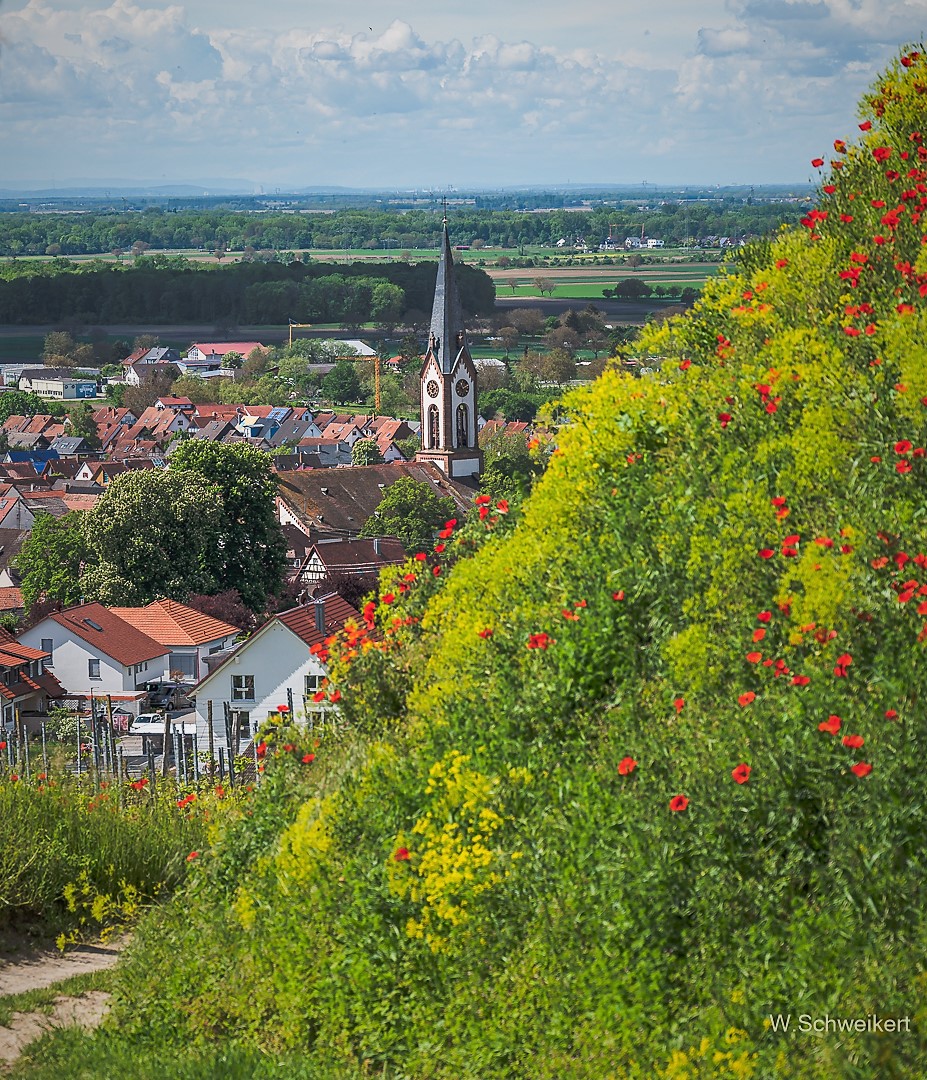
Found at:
[86, 1011]
[47, 968]
[40, 970]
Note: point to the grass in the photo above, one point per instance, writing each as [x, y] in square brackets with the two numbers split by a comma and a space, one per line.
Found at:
[43, 999]
[107, 848]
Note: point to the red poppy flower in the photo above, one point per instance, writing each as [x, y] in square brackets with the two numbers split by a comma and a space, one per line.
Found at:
[685, 365]
[308, 759]
[759, 634]
[439, 548]
[539, 641]
[388, 598]
[891, 714]
[882, 153]
[831, 725]
[903, 467]
[139, 785]
[503, 506]
[853, 741]
[193, 855]
[817, 162]
[421, 557]
[778, 500]
[866, 125]
[764, 616]
[725, 418]
[261, 749]
[572, 616]
[618, 595]
[486, 632]
[861, 769]
[781, 263]
[766, 553]
[746, 699]
[482, 500]
[678, 803]
[679, 704]
[402, 855]
[3, 745]
[741, 774]
[335, 695]
[754, 657]
[15, 776]
[801, 680]
[626, 766]
[450, 524]
[829, 189]
[319, 695]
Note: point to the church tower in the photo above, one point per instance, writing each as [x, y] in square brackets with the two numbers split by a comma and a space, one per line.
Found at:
[448, 382]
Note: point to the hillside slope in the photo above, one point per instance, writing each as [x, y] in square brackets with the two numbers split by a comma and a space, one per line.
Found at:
[643, 763]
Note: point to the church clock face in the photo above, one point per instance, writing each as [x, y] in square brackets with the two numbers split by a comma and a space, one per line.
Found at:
[462, 387]
[432, 387]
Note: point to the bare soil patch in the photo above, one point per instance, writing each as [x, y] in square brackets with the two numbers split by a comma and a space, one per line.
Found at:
[86, 1011]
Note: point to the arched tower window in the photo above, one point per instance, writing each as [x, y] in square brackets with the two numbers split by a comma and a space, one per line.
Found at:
[463, 425]
[434, 430]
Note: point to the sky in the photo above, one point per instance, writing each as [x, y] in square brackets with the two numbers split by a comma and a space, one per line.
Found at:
[453, 93]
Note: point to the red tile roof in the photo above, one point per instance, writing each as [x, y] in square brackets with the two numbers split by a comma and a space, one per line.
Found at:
[116, 638]
[301, 620]
[172, 623]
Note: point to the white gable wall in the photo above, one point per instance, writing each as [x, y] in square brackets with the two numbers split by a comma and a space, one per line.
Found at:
[70, 662]
[278, 660]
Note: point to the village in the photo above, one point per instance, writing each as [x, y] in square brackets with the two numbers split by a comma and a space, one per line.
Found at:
[170, 680]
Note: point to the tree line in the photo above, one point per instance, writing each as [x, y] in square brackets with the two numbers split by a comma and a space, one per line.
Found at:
[222, 230]
[161, 289]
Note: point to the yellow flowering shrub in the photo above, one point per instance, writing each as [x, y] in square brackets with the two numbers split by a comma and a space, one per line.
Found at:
[455, 851]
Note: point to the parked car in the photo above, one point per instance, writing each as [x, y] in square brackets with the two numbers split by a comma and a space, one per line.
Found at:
[151, 723]
[164, 694]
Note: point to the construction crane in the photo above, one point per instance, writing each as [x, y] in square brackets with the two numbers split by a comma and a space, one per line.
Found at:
[298, 324]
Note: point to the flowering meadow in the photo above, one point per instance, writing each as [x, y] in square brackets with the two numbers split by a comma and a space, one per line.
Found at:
[641, 763]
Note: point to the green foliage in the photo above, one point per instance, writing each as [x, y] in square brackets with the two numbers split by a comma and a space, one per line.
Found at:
[153, 534]
[25, 403]
[412, 511]
[341, 384]
[81, 424]
[247, 549]
[366, 452]
[59, 840]
[52, 559]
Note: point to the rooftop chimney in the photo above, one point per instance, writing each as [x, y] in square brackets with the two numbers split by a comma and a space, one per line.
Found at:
[319, 606]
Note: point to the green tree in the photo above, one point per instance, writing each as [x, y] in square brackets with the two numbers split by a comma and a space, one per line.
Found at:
[509, 468]
[412, 511]
[152, 534]
[24, 403]
[341, 384]
[52, 560]
[248, 548]
[366, 452]
[82, 425]
[59, 345]
[193, 387]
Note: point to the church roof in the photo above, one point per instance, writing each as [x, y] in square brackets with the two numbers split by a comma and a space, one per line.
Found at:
[447, 318]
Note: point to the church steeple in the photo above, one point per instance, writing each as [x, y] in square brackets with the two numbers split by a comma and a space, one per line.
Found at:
[447, 321]
[448, 380]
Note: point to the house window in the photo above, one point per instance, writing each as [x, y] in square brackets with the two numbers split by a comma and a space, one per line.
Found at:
[185, 663]
[48, 645]
[242, 688]
[313, 684]
[93, 669]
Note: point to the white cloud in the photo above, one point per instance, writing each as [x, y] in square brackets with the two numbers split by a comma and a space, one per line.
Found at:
[120, 83]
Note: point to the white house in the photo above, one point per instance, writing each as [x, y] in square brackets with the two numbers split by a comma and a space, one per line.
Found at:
[252, 682]
[92, 651]
[188, 634]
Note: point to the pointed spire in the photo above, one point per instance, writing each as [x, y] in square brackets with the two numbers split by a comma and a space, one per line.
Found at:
[447, 314]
